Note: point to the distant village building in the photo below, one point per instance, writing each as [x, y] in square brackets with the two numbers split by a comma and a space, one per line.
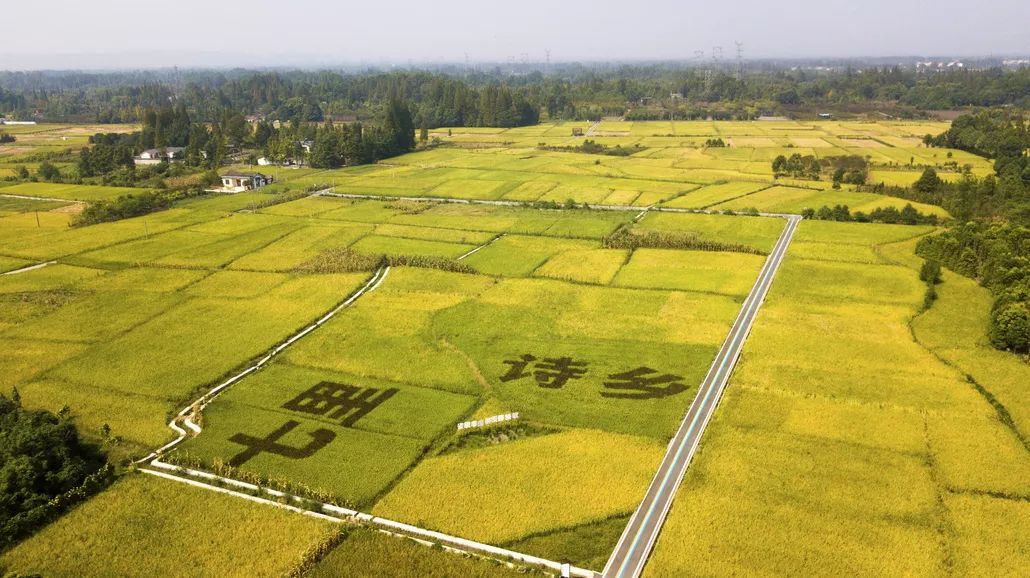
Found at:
[240, 182]
[577, 131]
[268, 162]
[14, 122]
[676, 95]
[646, 100]
[825, 115]
[157, 156]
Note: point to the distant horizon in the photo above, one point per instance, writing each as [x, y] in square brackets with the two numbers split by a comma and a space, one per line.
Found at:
[100, 62]
[123, 34]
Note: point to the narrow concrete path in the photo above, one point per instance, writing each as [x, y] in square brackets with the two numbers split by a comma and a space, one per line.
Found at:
[633, 548]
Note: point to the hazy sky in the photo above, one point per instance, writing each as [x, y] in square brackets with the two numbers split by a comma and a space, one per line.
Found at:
[134, 33]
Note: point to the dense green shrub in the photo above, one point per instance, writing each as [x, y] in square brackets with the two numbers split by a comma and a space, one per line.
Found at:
[930, 272]
[44, 468]
[124, 207]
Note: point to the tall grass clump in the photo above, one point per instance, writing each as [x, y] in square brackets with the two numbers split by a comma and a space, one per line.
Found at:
[634, 239]
[344, 260]
[340, 260]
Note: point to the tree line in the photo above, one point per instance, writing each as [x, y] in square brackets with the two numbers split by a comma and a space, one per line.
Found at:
[849, 169]
[992, 242]
[494, 97]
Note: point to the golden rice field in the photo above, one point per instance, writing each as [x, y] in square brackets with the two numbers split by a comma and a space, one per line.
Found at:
[844, 444]
[193, 293]
[146, 526]
[369, 554]
[668, 168]
[479, 493]
[849, 441]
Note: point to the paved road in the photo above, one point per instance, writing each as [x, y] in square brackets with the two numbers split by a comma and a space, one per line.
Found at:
[638, 539]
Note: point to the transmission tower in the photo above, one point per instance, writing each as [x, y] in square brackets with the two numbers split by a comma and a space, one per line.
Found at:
[740, 60]
[699, 57]
[547, 53]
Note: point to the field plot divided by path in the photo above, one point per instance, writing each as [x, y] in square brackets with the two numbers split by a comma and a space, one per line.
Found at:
[600, 350]
[166, 330]
[419, 341]
[665, 167]
[834, 395]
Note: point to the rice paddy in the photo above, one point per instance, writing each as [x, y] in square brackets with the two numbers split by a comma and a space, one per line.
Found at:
[849, 441]
[191, 294]
[144, 526]
[888, 451]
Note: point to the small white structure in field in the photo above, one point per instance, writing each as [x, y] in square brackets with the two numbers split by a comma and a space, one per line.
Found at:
[13, 122]
[240, 182]
[476, 423]
[157, 156]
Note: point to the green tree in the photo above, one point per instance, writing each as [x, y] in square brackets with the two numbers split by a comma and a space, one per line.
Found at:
[1010, 328]
[41, 457]
[399, 128]
[928, 182]
[930, 272]
[48, 172]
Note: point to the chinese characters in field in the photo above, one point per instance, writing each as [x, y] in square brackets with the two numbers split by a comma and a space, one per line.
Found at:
[549, 372]
[270, 444]
[346, 403]
[336, 401]
[555, 372]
